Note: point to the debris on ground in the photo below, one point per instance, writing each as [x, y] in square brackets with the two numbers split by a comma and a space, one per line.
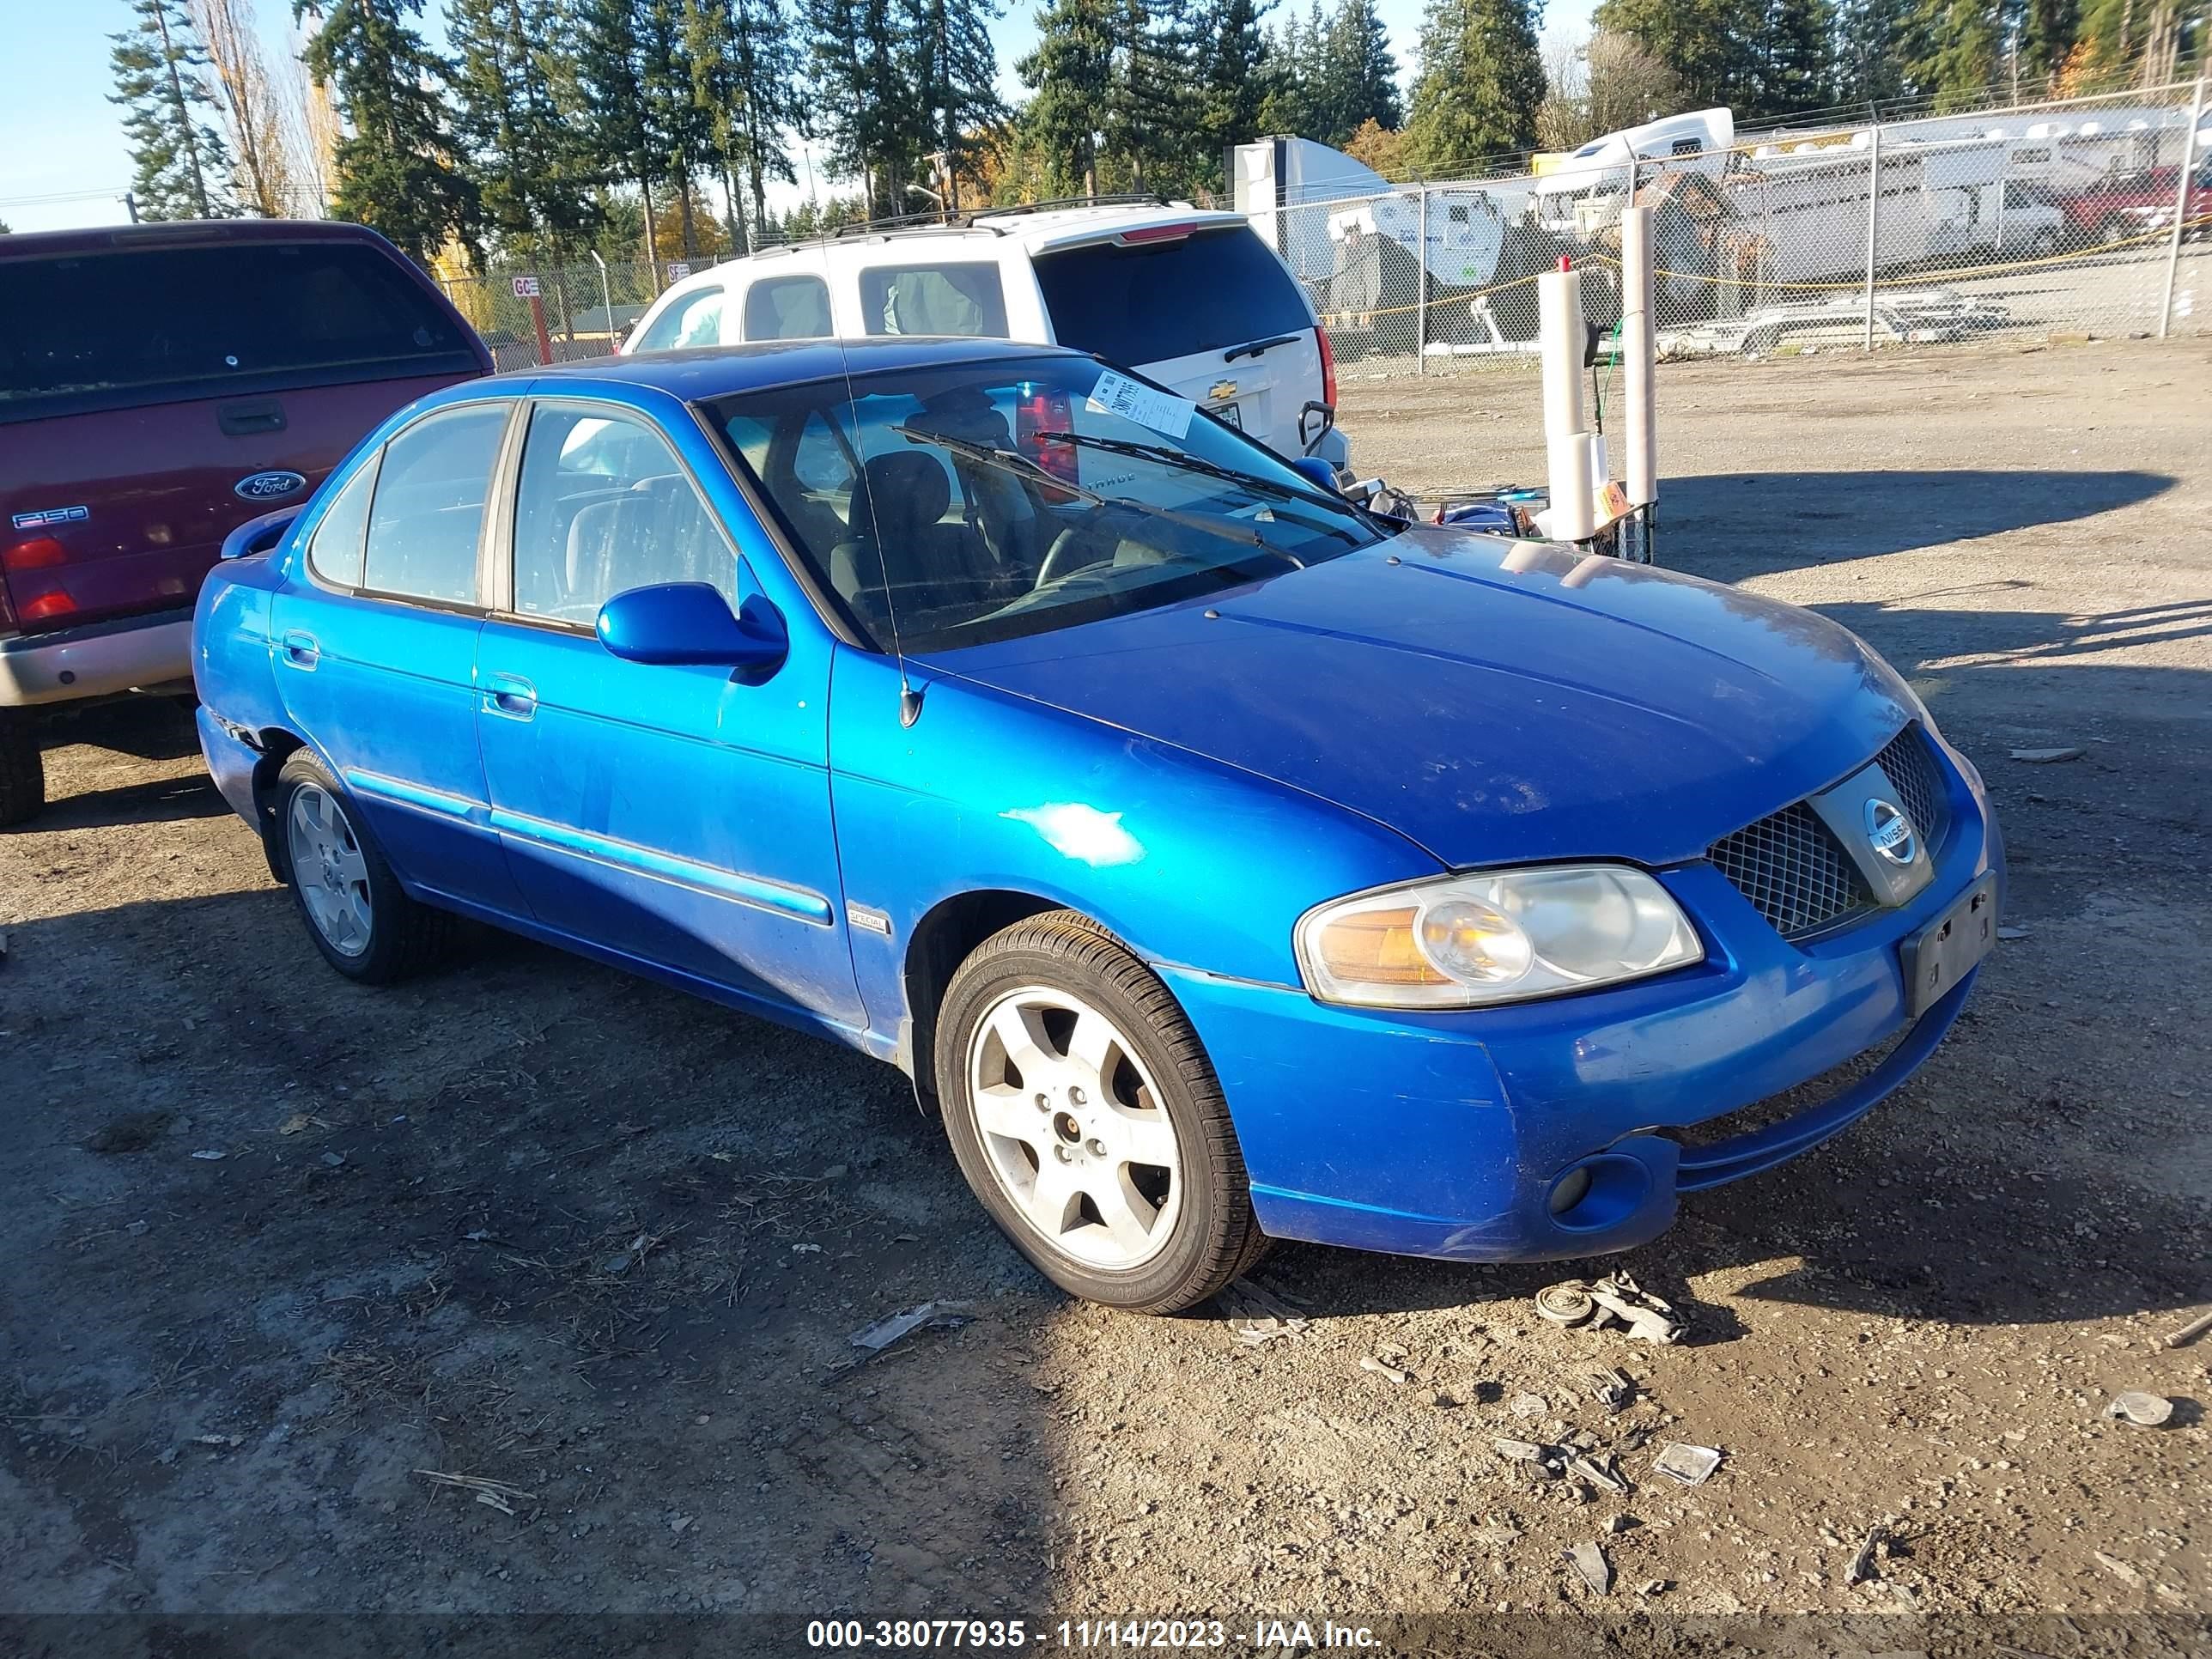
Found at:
[2148, 1411]
[1612, 1390]
[298, 1122]
[1599, 1470]
[1654, 1587]
[2014, 933]
[216, 1440]
[1686, 1466]
[933, 1315]
[495, 1494]
[1257, 1315]
[1530, 1405]
[1599, 1301]
[2048, 757]
[2120, 1570]
[1620, 1523]
[1862, 1566]
[1589, 1561]
[2189, 1333]
[334, 1160]
[209, 1155]
[1383, 1368]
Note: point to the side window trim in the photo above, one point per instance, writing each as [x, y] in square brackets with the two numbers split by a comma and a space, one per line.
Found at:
[503, 593]
[492, 487]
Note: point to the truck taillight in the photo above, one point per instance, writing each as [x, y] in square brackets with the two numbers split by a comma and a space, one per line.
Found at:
[1045, 409]
[53, 604]
[39, 553]
[1328, 366]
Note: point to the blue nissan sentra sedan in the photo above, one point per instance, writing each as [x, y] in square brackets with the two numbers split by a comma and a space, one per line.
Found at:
[1222, 862]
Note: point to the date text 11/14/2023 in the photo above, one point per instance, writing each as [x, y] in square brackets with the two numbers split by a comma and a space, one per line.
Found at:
[1258, 1636]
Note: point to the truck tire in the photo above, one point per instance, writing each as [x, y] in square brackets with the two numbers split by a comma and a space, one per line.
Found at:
[22, 770]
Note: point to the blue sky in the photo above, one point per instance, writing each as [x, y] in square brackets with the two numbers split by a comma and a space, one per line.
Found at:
[61, 140]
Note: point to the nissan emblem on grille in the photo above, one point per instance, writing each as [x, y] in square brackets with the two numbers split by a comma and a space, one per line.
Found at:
[1891, 832]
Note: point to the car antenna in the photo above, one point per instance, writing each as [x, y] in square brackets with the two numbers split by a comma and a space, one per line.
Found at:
[909, 700]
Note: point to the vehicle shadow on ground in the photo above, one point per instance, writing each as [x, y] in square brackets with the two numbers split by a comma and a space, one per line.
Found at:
[1727, 525]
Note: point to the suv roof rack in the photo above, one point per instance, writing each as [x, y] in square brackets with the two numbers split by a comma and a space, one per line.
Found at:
[1125, 198]
[979, 218]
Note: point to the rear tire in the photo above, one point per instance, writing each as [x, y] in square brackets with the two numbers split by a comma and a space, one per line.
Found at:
[1125, 1186]
[22, 770]
[355, 910]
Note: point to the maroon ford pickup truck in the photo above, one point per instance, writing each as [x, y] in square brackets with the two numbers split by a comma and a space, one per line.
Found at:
[160, 384]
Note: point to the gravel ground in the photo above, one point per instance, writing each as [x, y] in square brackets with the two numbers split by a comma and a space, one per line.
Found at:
[533, 1223]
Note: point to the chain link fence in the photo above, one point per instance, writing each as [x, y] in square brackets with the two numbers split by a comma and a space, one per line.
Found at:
[560, 313]
[2086, 218]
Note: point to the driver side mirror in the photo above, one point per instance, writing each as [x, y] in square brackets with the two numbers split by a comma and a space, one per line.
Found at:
[677, 623]
[1317, 472]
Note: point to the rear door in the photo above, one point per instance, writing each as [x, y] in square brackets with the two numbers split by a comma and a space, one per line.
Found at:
[154, 398]
[1207, 311]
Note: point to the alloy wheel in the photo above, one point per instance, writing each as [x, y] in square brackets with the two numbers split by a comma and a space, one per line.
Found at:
[1073, 1128]
[328, 869]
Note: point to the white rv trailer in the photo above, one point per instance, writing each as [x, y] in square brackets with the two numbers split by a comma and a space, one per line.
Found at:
[1583, 194]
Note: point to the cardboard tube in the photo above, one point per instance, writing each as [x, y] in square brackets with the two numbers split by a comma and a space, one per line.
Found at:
[1639, 358]
[1559, 317]
[1572, 514]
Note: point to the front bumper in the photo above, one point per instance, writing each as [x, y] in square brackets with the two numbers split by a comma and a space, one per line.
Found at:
[1442, 1134]
[100, 659]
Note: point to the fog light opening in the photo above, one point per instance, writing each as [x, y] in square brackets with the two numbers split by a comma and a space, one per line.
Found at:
[1599, 1193]
[1570, 1190]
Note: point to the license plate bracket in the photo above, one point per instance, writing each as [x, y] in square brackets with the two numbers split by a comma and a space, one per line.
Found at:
[1231, 414]
[1949, 948]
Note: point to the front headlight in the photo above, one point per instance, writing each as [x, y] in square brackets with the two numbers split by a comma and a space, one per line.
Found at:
[1465, 941]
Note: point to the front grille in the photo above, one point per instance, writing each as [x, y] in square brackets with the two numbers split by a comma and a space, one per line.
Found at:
[1909, 766]
[1792, 870]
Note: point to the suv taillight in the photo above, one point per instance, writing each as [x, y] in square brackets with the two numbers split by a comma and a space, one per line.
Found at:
[1045, 409]
[1328, 366]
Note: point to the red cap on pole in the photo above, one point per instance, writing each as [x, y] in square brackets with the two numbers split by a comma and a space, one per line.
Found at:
[1566, 262]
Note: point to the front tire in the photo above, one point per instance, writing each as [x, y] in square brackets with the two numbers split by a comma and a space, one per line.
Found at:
[357, 912]
[1087, 1119]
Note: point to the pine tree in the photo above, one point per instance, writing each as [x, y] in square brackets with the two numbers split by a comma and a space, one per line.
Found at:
[1069, 73]
[865, 105]
[954, 70]
[614, 134]
[161, 70]
[763, 66]
[1958, 44]
[1871, 43]
[1789, 64]
[1152, 106]
[518, 134]
[1359, 77]
[1233, 78]
[2047, 33]
[1287, 104]
[681, 133]
[1707, 44]
[395, 162]
[1481, 79]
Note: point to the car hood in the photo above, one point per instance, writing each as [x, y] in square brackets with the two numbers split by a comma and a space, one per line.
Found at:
[1492, 700]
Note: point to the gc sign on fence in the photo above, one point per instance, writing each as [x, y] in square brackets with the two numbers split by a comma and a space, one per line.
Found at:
[526, 287]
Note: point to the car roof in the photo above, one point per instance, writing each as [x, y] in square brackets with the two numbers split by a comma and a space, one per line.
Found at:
[181, 233]
[702, 372]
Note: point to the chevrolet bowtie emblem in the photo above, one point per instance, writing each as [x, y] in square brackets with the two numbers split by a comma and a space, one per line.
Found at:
[1221, 389]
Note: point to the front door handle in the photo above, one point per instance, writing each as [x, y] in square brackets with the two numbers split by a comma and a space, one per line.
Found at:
[301, 649]
[510, 695]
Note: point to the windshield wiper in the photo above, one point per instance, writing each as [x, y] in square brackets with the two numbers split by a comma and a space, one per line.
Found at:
[1013, 461]
[1176, 458]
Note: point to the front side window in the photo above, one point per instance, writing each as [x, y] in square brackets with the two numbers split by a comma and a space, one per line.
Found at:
[335, 553]
[692, 319]
[935, 299]
[604, 507]
[955, 505]
[430, 504]
[787, 308]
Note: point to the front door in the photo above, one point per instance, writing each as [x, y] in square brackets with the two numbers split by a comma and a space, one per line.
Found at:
[676, 816]
[376, 651]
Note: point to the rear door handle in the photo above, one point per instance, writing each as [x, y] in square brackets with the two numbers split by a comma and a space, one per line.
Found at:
[510, 695]
[301, 649]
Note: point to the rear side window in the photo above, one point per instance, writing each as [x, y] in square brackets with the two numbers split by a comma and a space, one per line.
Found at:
[430, 490]
[335, 553]
[1159, 300]
[935, 299]
[787, 308]
[157, 325]
[694, 320]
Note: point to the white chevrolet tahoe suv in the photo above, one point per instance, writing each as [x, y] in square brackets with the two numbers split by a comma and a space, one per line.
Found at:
[1186, 296]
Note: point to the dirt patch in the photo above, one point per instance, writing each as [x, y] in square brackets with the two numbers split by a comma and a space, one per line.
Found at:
[586, 1247]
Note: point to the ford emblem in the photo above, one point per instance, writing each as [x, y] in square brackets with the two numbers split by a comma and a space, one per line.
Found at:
[1891, 832]
[269, 486]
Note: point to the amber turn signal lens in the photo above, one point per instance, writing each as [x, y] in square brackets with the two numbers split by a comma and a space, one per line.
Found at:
[1377, 947]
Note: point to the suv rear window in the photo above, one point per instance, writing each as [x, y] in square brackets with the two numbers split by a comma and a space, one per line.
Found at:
[109, 330]
[1159, 300]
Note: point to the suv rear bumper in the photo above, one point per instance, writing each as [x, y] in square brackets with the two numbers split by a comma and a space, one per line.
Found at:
[100, 659]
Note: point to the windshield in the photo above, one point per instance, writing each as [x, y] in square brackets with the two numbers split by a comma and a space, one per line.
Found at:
[952, 505]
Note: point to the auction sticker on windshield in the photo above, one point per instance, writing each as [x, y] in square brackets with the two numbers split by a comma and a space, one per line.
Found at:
[1133, 400]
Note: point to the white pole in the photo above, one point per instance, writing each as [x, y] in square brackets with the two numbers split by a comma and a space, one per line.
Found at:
[1874, 212]
[606, 296]
[1572, 513]
[1639, 355]
[1421, 304]
[2186, 172]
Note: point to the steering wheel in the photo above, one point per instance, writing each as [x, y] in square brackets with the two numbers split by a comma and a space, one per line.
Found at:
[1073, 549]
